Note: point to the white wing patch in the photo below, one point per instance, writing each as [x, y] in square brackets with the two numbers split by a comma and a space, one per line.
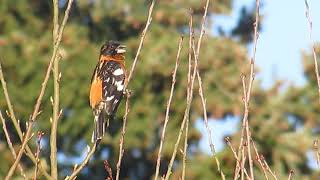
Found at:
[118, 72]
[110, 98]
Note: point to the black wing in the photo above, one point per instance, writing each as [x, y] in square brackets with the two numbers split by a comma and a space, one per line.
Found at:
[113, 78]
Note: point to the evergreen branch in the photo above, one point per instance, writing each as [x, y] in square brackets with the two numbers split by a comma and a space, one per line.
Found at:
[316, 68]
[166, 120]
[39, 99]
[123, 132]
[77, 168]
[191, 41]
[56, 94]
[4, 127]
[143, 35]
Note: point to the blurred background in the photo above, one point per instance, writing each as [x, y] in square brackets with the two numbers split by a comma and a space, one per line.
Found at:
[284, 115]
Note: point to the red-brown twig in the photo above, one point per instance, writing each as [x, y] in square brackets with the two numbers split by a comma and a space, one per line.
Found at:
[123, 132]
[10, 143]
[39, 99]
[316, 68]
[166, 120]
[40, 134]
[108, 169]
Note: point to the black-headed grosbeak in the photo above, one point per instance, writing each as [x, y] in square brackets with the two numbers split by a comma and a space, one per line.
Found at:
[107, 86]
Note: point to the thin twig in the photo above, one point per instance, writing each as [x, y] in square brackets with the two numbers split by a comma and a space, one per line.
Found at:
[143, 35]
[191, 39]
[10, 144]
[123, 132]
[56, 94]
[108, 169]
[201, 93]
[44, 84]
[14, 120]
[259, 160]
[316, 68]
[185, 116]
[78, 168]
[40, 134]
[236, 156]
[291, 175]
[247, 95]
[268, 167]
[316, 151]
[166, 120]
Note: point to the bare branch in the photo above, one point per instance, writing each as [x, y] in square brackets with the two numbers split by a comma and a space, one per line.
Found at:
[77, 168]
[316, 68]
[143, 35]
[123, 132]
[40, 134]
[168, 107]
[246, 98]
[56, 95]
[44, 85]
[108, 169]
[191, 41]
[12, 116]
[10, 143]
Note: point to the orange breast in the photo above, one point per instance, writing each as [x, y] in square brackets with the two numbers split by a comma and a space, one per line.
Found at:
[95, 92]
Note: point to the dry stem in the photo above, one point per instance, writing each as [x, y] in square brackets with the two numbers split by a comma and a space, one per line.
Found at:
[168, 107]
[44, 84]
[143, 35]
[77, 168]
[40, 134]
[108, 169]
[16, 124]
[316, 68]
[236, 156]
[10, 144]
[191, 41]
[246, 99]
[56, 92]
[123, 132]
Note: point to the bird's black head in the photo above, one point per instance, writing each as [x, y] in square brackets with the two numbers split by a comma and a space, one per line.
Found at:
[112, 48]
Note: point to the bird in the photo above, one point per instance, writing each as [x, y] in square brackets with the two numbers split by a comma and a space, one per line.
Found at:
[107, 86]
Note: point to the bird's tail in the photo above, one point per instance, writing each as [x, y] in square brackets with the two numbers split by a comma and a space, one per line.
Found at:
[99, 126]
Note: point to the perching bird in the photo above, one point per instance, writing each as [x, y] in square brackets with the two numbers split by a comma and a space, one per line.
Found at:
[107, 86]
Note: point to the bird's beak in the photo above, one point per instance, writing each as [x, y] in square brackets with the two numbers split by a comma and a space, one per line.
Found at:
[121, 49]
